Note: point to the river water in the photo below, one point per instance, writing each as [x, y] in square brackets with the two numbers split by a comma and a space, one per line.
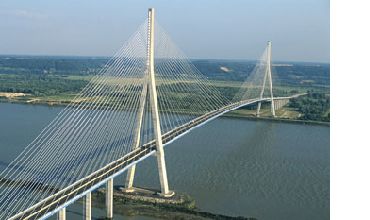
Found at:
[262, 169]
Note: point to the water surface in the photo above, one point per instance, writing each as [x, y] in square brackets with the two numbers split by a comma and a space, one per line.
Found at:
[267, 170]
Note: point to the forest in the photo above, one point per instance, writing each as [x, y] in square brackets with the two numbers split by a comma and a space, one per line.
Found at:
[314, 106]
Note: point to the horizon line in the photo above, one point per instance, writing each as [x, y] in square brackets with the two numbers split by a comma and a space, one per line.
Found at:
[195, 58]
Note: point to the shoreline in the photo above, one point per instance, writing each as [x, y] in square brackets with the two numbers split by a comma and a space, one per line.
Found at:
[227, 115]
[146, 202]
[284, 120]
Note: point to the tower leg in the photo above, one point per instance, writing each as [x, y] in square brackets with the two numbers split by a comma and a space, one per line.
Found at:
[87, 206]
[109, 198]
[154, 108]
[131, 171]
[261, 94]
[163, 174]
[270, 77]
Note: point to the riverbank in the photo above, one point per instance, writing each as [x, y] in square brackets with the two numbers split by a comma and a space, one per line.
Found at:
[23, 98]
[276, 119]
[146, 202]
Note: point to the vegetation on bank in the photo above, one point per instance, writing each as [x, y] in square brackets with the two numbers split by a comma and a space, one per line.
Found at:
[300, 74]
[40, 85]
[314, 106]
[56, 80]
[138, 207]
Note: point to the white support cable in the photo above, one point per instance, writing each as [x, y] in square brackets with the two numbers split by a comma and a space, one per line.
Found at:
[73, 102]
[253, 83]
[171, 64]
[167, 66]
[181, 57]
[182, 79]
[183, 87]
[112, 138]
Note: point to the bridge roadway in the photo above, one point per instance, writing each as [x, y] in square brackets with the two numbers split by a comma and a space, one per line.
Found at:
[68, 195]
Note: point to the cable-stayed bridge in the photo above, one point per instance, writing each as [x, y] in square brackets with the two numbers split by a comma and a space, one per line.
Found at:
[145, 97]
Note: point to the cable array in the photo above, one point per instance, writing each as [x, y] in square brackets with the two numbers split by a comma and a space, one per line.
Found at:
[93, 130]
[184, 93]
[252, 86]
[99, 124]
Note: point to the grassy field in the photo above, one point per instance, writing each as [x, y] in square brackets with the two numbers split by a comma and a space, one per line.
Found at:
[62, 89]
[284, 113]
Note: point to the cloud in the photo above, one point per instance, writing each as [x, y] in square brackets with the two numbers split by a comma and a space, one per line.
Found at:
[23, 14]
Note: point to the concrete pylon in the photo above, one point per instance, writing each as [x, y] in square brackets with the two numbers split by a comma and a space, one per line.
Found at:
[150, 88]
[261, 94]
[154, 108]
[267, 75]
[269, 45]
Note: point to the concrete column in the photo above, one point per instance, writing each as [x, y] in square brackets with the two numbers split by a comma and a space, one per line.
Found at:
[154, 108]
[258, 109]
[130, 179]
[62, 214]
[87, 206]
[109, 198]
[276, 104]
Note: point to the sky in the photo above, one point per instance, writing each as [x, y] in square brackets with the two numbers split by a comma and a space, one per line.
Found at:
[217, 29]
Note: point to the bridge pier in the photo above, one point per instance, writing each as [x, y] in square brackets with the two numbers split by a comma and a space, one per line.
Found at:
[258, 109]
[277, 104]
[62, 214]
[280, 103]
[87, 206]
[109, 198]
[130, 179]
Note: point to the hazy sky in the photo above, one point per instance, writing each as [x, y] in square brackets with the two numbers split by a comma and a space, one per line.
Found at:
[299, 29]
